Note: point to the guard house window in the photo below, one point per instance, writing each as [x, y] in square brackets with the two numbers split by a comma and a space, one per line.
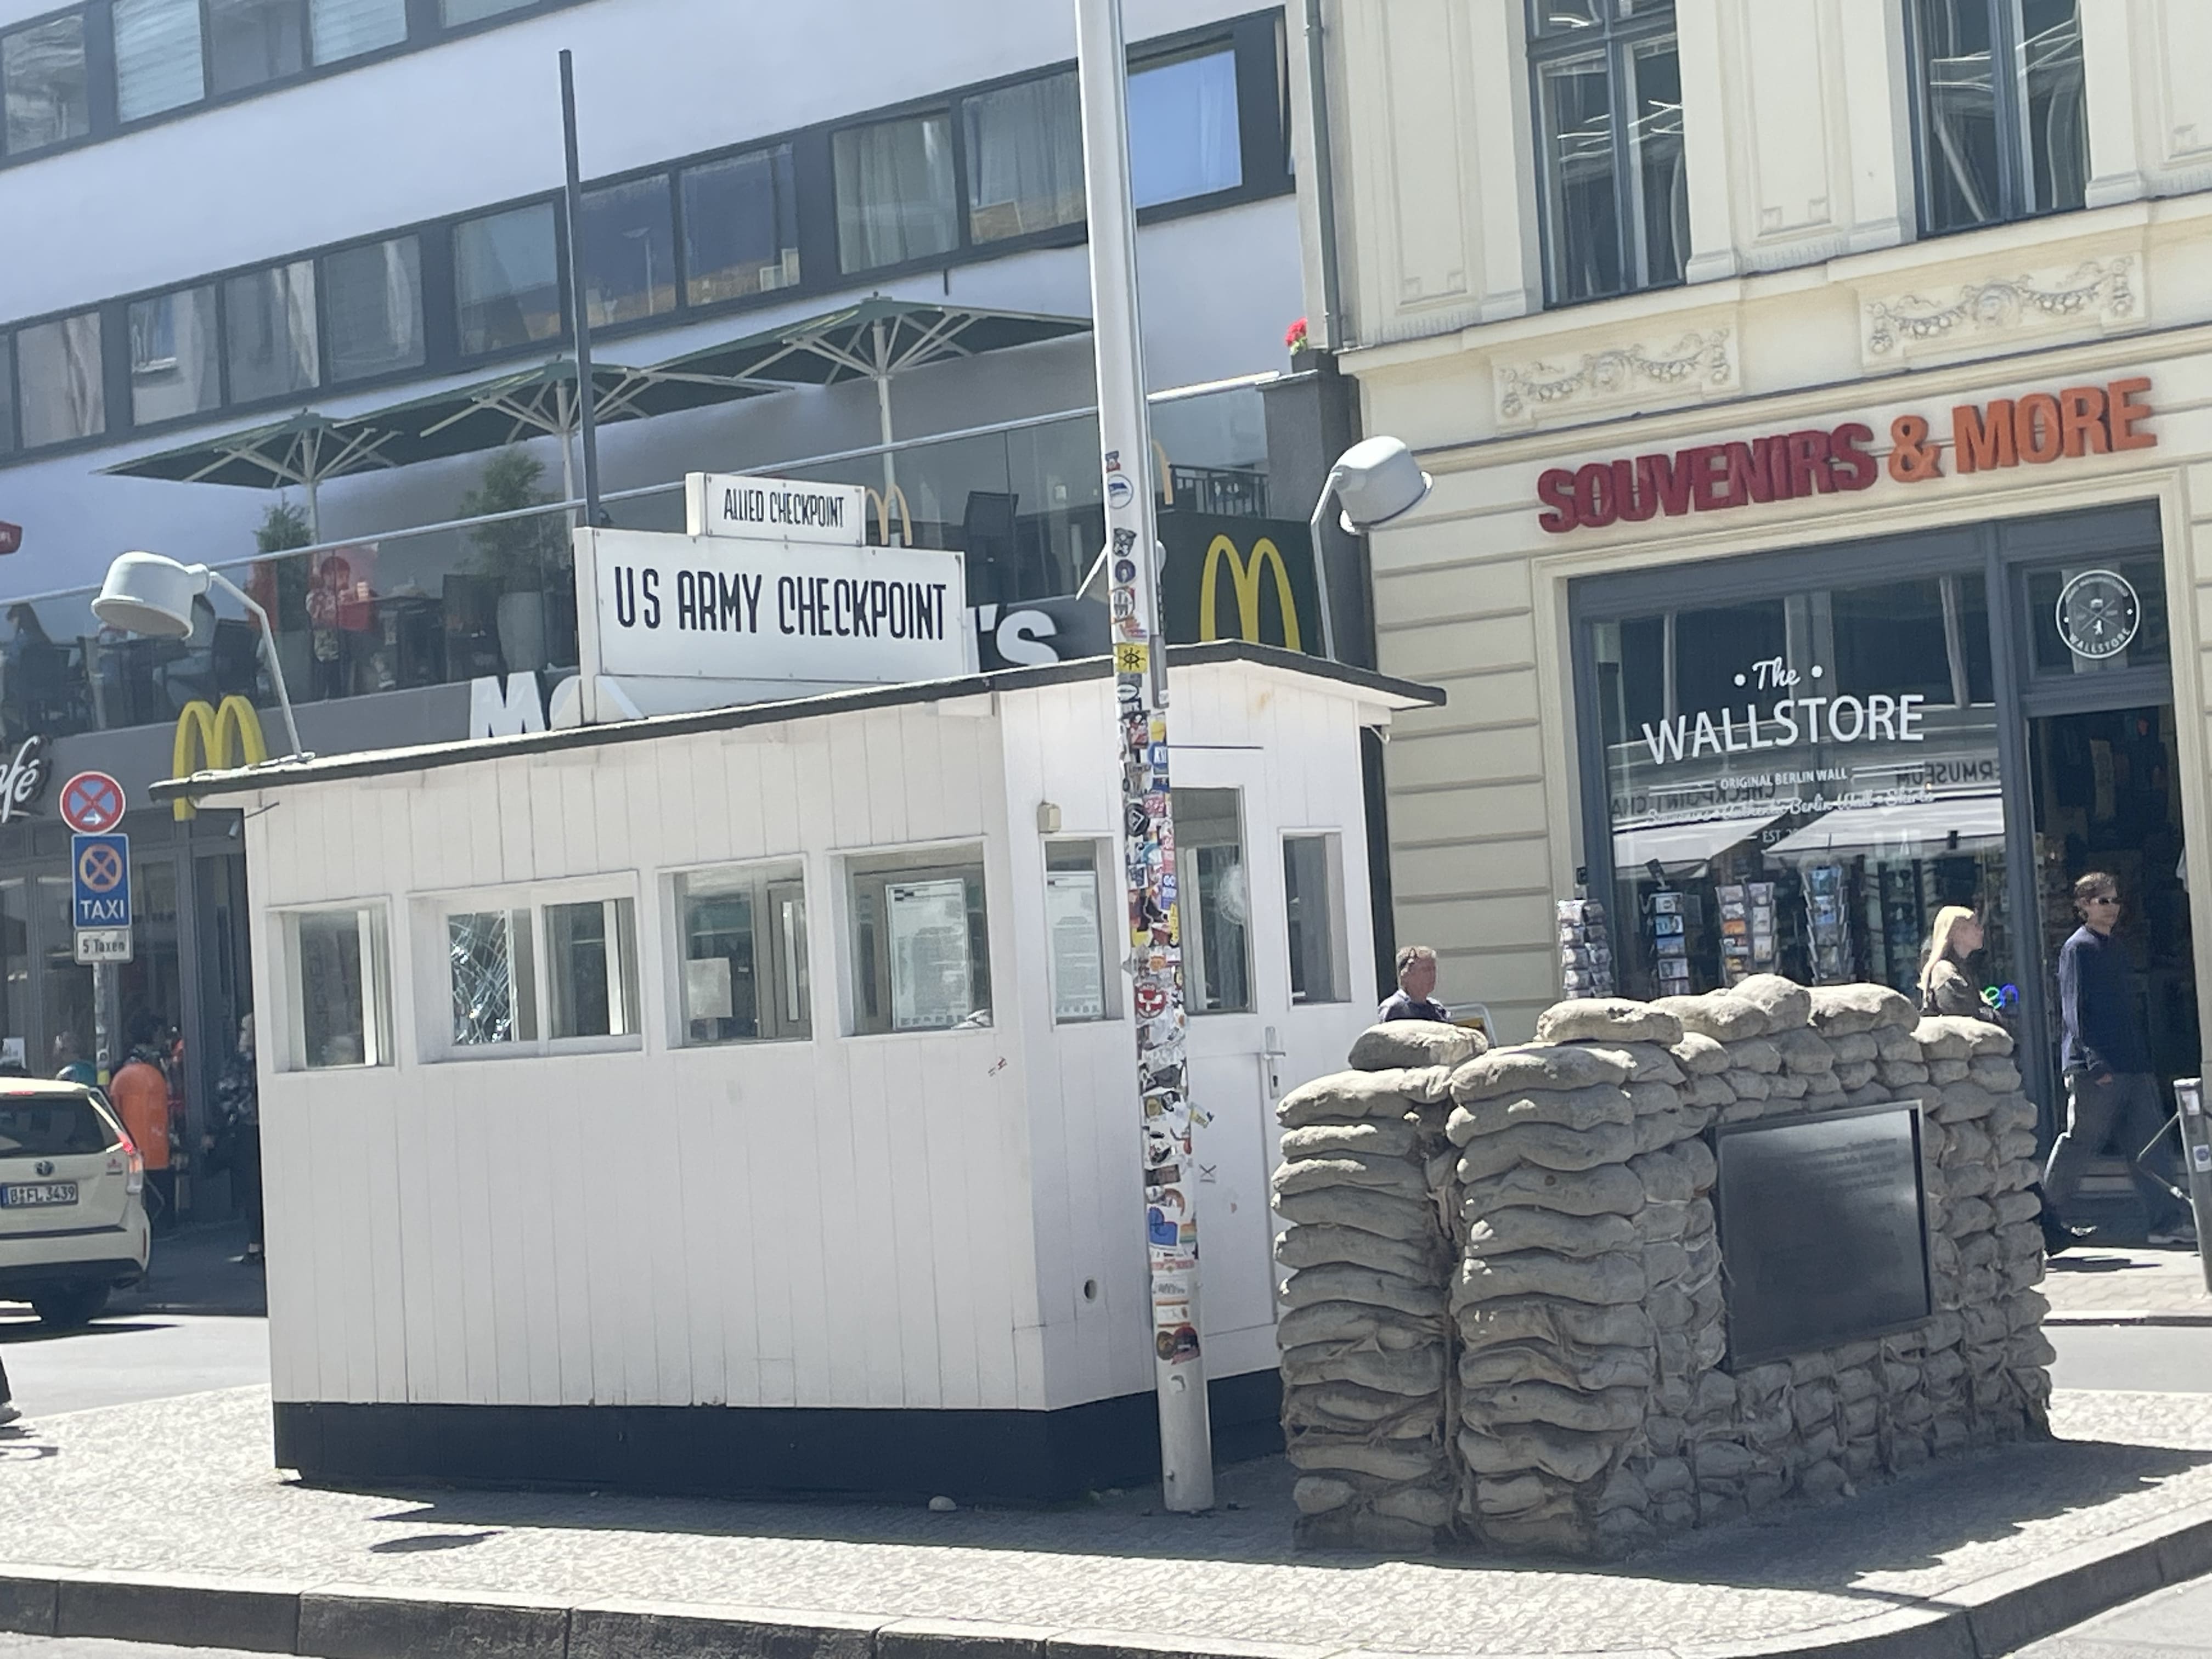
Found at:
[2004, 129]
[58, 380]
[920, 941]
[249, 41]
[338, 29]
[519, 978]
[1313, 896]
[42, 80]
[1025, 159]
[176, 360]
[341, 985]
[740, 227]
[506, 279]
[1609, 138]
[630, 252]
[896, 198]
[373, 295]
[157, 57]
[1185, 138]
[493, 994]
[590, 977]
[1215, 899]
[741, 940]
[269, 332]
[1074, 909]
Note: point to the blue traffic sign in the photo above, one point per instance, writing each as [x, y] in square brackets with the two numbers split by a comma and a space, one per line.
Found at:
[100, 880]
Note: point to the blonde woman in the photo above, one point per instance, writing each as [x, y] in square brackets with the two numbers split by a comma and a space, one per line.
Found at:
[1945, 988]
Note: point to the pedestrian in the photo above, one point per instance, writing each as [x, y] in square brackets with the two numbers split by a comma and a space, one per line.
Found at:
[140, 1091]
[1945, 987]
[2109, 1085]
[1417, 981]
[236, 1145]
[8, 1410]
[69, 1064]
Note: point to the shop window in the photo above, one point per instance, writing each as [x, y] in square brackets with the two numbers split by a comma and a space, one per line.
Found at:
[339, 29]
[341, 987]
[251, 41]
[2004, 126]
[58, 380]
[43, 82]
[1075, 907]
[1214, 901]
[372, 299]
[270, 337]
[1610, 140]
[741, 962]
[506, 279]
[1185, 137]
[535, 979]
[1025, 158]
[630, 252]
[157, 57]
[2098, 617]
[1313, 893]
[176, 356]
[740, 227]
[920, 941]
[896, 197]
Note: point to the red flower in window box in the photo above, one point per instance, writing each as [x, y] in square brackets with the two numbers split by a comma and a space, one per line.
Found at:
[1295, 336]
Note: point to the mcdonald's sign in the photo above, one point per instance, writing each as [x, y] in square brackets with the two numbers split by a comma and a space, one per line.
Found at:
[1268, 597]
[204, 737]
[1246, 577]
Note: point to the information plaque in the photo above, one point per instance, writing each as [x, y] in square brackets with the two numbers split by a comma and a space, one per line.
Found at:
[1823, 1230]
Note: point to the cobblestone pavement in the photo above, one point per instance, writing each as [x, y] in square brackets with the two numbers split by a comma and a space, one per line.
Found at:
[184, 1485]
[2116, 1285]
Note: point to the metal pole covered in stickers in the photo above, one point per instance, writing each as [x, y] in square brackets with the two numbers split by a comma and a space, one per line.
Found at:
[1140, 682]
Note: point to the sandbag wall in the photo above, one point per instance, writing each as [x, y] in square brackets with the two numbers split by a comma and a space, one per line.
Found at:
[1587, 1404]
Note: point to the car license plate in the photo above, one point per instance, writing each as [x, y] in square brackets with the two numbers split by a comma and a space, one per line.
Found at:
[35, 1196]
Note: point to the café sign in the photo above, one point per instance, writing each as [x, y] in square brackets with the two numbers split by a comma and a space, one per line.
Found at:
[2035, 430]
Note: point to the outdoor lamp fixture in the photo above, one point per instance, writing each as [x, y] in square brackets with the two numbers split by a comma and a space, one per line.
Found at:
[145, 594]
[1375, 481]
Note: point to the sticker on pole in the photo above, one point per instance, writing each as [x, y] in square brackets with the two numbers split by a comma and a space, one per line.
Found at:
[92, 802]
[100, 881]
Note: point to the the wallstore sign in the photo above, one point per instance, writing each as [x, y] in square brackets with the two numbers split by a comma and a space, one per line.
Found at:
[2035, 430]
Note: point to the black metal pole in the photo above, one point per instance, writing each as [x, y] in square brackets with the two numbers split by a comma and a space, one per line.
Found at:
[587, 425]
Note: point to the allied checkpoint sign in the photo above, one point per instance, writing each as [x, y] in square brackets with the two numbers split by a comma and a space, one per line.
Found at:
[774, 585]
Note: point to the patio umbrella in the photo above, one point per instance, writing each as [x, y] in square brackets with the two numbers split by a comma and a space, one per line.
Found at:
[874, 340]
[305, 450]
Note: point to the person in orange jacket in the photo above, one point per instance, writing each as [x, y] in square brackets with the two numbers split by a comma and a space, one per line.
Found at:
[140, 1089]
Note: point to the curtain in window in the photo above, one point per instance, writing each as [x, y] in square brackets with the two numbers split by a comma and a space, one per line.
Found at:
[157, 57]
[42, 73]
[1655, 141]
[1025, 159]
[1184, 137]
[1584, 232]
[58, 378]
[346, 29]
[895, 192]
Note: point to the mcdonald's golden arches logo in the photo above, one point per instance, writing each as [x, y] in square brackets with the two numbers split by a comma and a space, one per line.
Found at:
[204, 742]
[1244, 576]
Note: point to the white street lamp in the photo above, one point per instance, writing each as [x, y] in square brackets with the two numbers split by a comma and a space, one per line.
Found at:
[1375, 481]
[145, 594]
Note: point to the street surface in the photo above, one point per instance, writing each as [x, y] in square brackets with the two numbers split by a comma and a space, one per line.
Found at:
[2164, 1626]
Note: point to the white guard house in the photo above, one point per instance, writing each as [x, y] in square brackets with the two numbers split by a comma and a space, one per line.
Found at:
[745, 1101]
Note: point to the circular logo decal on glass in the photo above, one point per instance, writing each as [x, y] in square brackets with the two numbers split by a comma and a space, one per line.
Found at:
[2098, 614]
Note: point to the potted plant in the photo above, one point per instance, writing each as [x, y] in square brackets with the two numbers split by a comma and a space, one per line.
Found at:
[521, 556]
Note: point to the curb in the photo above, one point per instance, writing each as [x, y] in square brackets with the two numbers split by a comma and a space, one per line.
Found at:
[2139, 1318]
[1980, 1619]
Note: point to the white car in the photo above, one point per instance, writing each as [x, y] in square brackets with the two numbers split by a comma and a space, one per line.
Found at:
[72, 1219]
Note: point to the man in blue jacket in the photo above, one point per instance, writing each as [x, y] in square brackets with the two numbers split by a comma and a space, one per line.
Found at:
[2110, 1085]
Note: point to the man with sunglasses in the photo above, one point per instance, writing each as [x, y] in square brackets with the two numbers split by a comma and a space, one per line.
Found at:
[2109, 1082]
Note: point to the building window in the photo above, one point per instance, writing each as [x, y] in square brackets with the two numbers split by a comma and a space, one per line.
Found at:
[7, 400]
[341, 987]
[339, 29]
[1999, 145]
[58, 379]
[741, 932]
[1075, 909]
[1215, 902]
[157, 57]
[740, 227]
[896, 197]
[176, 360]
[1610, 140]
[920, 941]
[1313, 896]
[492, 994]
[630, 252]
[507, 278]
[373, 297]
[532, 978]
[591, 975]
[458, 12]
[42, 78]
[270, 336]
[1185, 137]
[1025, 159]
[249, 41]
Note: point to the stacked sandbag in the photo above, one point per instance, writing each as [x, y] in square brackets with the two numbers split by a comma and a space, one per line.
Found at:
[1362, 1328]
[1558, 1354]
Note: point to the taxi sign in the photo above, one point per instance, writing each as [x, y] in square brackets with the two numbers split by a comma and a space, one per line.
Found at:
[100, 881]
[97, 945]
